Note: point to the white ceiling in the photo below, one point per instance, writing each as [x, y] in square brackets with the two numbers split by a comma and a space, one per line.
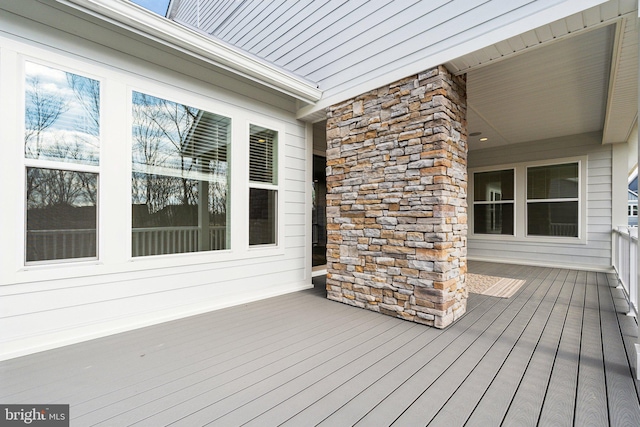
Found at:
[558, 90]
[575, 75]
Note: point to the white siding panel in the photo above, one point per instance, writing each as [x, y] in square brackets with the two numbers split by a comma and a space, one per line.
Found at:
[596, 253]
[47, 306]
[295, 175]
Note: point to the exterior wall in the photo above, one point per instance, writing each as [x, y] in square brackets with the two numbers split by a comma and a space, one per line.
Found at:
[49, 305]
[594, 249]
[396, 203]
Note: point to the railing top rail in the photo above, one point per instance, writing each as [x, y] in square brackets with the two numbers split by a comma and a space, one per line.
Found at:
[189, 227]
[627, 231]
[63, 230]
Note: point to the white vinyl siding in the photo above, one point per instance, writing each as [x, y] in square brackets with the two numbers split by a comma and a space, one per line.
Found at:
[593, 248]
[44, 306]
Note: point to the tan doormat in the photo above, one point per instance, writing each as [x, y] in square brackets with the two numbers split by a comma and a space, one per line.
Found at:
[502, 287]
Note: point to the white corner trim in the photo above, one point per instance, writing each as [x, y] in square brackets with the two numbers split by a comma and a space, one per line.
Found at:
[126, 14]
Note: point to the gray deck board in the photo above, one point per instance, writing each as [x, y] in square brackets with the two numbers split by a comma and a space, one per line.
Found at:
[558, 352]
[318, 410]
[619, 377]
[486, 381]
[465, 351]
[591, 397]
[499, 369]
[237, 373]
[524, 409]
[559, 402]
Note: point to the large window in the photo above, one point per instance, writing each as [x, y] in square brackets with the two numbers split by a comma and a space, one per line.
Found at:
[62, 150]
[263, 185]
[493, 202]
[180, 181]
[553, 200]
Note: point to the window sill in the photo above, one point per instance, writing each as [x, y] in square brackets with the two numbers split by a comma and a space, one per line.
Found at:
[530, 239]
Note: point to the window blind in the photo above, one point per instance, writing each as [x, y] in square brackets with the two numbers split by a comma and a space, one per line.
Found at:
[262, 155]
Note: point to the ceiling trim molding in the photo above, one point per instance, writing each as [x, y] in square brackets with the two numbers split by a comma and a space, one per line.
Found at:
[613, 73]
[613, 21]
[618, 43]
[132, 17]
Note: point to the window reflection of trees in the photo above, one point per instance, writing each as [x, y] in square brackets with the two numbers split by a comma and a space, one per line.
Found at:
[180, 167]
[62, 124]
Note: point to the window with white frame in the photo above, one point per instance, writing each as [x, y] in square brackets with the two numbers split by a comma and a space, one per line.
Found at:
[632, 210]
[553, 204]
[62, 152]
[180, 178]
[263, 185]
[493, 202]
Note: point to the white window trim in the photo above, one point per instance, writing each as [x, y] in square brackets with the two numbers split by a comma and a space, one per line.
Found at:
[78, 68]
[278, 247]
[520, 207]
[114, 240]
[178, 96]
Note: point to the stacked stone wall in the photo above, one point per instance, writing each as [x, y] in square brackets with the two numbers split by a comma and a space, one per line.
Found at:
[397, 201]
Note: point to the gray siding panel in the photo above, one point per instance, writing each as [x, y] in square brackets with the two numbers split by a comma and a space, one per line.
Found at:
[328, 41]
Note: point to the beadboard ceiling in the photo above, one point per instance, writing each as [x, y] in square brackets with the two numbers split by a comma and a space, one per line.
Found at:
[557, 90]
[575, 75]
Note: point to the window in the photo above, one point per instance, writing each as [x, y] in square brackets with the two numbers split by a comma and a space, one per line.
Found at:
[62, 150]
[632, 210]
[553, 200]
[263, 185]
[493, 202]
[180, 180]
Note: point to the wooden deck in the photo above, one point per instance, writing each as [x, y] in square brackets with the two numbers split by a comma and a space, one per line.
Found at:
[556, 354]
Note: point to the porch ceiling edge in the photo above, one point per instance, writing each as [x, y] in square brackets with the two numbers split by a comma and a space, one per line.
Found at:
[397, 199]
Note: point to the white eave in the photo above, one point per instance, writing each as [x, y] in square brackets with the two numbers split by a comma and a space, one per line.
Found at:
[132, 17]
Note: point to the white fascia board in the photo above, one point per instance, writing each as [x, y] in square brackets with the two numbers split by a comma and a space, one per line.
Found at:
[130, 16]
[543, 17]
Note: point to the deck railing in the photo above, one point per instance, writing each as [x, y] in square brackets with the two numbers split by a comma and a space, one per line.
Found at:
[81, 243]
[43, 245]
[625, 240]
[172, 240]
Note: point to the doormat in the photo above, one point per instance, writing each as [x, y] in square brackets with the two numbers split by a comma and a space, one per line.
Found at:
[502, 287]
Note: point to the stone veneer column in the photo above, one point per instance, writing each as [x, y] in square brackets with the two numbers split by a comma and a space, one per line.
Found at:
[397, 199]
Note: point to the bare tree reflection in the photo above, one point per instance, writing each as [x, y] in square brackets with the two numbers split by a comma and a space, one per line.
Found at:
[62, 124]
[179, 168]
